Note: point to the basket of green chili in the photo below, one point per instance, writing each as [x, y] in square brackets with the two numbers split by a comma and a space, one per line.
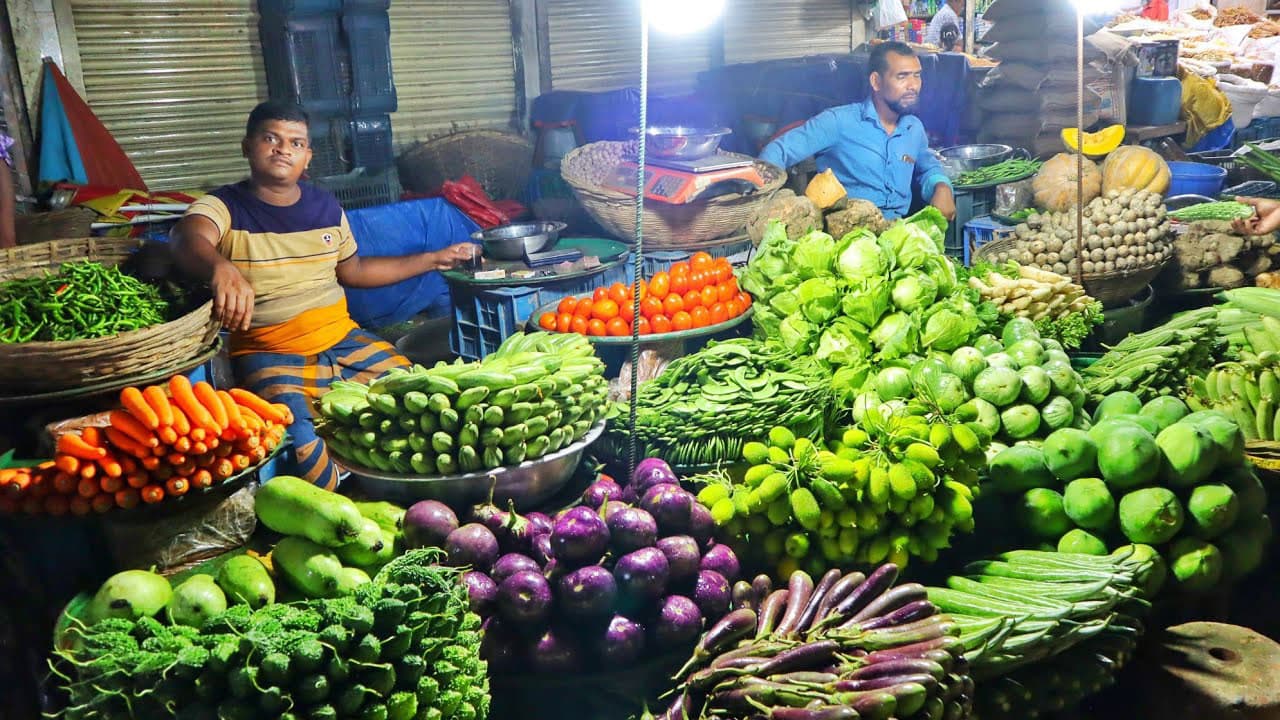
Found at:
[69, 316]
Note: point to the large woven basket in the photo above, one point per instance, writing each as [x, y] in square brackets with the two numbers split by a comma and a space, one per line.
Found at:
[50, 366]
[666, 226]
[1113, 289]
[500, 161]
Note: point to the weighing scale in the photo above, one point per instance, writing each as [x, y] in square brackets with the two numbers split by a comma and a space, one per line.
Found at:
[679, 182]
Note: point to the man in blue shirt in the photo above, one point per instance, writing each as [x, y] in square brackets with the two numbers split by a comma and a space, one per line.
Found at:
[876, 148]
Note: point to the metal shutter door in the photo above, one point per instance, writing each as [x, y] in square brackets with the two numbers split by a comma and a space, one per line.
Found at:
[174, 81]
[595, 45]
[768, 30]
[454, 67]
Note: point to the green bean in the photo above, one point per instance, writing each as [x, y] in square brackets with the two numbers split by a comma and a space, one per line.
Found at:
[1007, 170]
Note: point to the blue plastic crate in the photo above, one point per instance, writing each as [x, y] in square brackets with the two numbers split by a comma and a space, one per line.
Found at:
[979, 232]
[300, 55]
[368, 36]
[662, 260]
[371, 142]
[970, 204]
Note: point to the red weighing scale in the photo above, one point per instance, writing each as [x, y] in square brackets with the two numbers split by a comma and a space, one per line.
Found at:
[679, 182]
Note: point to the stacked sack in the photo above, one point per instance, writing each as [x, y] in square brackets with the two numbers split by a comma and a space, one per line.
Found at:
[1031, 96]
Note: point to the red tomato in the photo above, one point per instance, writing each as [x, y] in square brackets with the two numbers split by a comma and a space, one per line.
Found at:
[605, 309]
[600, 294]
[697, 280]
[733, 308]
[726, 291]
[679, 283]
[596, 327]
[681, 321]
[692, 299]
[650, 306]
[547, 321]
[710, 295]
[567, 305]
[584, 308]
[627, 310]
[579, 325]
[659, 284]
[564, 323]
[618, 327]
[661, 324]
[672, 305]
[723, 270]
[680, 268]
[745, 299]
[618, 293]
[700, 261]
[719, 313]
[645, 328]
[701, 317]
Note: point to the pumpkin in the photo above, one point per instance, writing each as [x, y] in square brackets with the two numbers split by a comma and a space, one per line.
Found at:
[1096, 144]
[1134, 167]
[825, 191]
[1055, 184]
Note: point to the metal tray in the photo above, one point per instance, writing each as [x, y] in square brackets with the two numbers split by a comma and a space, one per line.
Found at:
[527, 484]
[673, 336]
[611, 253]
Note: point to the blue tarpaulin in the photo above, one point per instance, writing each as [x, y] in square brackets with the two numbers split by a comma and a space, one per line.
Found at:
[405, 228]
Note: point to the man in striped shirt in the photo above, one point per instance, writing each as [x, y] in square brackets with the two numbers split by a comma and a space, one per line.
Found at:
[277, 253]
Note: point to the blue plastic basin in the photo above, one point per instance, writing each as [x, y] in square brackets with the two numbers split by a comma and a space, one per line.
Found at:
[1191, 178]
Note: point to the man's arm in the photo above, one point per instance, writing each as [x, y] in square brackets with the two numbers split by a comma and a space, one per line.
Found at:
[1266, 217]
[371, 272]
[818, 134]
[195, 247]
[932, 181]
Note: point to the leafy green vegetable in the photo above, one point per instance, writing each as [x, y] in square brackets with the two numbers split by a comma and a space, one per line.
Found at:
[819, 300]
[859, 256]
[909, 244]
[844, 343]
[814, 254]
[913, 291]
[896, 336]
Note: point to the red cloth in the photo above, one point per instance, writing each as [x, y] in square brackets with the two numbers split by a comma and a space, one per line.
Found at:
[105, 163]
[468, 196]
[1156, 10]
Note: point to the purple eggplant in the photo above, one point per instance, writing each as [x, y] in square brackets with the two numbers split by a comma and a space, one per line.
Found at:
[613, 507]
[472, 544]
[650, 472]
[524, 599]
[642, 575]
[600, 492]
[541, 550]
[801, 587]
[500, 645]
[880, 580]
[742, 596]
[579, 537]
[512, 529]
[682, 557]
[701, 525]
[540, 522]
[838, 593]
[631, 529]
[678, 624]
[428, 523]
[828, 581]
[711, 593]
[510, 564]
[721, 559]
[482, 592]
[815, 654]
[621, 643]
[909, 613]
[728, 630]
[771, 611]
[589, 591]
[670, 505]
[891, 600]
[896, 668]
[555, 652]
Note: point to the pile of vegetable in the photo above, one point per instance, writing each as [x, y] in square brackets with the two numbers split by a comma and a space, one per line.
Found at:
[83, 300]
[845, 647]
[1261, 160]
[1210, 253]
[1059, 307]
[1001, 172]
[1042, 631]
[1123, 232]
[534, 395]
[1246, 391]
[163, 442]
[863, 299]
[403, 647]
[1161, 360]
[1147, 474]
[705, 405]
[691, 294]
[609, 581]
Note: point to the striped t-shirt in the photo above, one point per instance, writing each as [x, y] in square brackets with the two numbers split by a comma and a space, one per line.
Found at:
[289, 254]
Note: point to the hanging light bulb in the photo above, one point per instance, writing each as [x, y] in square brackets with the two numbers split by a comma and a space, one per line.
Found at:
[678, 17]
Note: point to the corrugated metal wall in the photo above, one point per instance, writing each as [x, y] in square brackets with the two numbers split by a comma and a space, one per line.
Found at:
[173, 82]
[768, 30]
[595, 45]
[454, 66]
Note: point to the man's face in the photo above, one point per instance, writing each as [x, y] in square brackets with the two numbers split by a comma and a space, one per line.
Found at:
[899, 86]
[279, 150]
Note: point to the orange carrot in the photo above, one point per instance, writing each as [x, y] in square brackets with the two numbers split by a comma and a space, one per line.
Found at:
[159, 404]
[57, 505]
[110, 484]
[102, 503]
[258, 454]
[286, 415]
[132, 400]
[199, 448]
[127, 498]
[231, 435]
[128, 464]
[16, 485]
[152, 494]
[240, 461]
[181, 424]
[208, 398]
[212, 442]
[249, 442]
[197, 434]
[177, 486]
[150, 463]
[80, 505]
[162, 473]
[260, 407]
[111, 466]
[127, 424]
[92, 436]
[185, 398]
[234, 420]
[87, 488]
[88, 471]
[185, 469]
[66, 463]
[65, 483]
[175, 459]
[167, 435]
[126, 444]
[137, 480]
[72, 444]
[224, 449]
[182, 445]
[223, 469]
[252, 422]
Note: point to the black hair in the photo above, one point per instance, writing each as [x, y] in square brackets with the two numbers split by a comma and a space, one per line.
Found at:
[274, 110]
[878, 62]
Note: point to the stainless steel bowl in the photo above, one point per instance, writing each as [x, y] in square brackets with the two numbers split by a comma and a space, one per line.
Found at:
[972, 157]
[528, 484]
[511, 242]
[675, 142]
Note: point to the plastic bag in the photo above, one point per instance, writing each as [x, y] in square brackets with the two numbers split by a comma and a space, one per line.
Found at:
[653, 360]
[1012, 197]
[176, 542]
[889, 13]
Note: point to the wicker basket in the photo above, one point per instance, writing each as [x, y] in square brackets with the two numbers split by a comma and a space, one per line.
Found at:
[500, 161]
[666, 226]
[50, 366]
[1113, 289]
[72, 222]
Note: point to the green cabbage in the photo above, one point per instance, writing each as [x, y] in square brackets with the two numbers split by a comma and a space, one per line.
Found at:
[796, 334]
[843, 343]
[895, 336]
[785, 303]
[909, 244]
[819, 300]
[859, 256]
[813, 255]
[949, 325]
[867, 301]
[931, 220]
[914, 291]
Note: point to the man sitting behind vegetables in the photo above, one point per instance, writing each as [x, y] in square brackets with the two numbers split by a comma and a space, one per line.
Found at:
[877, 149]
[277, 253]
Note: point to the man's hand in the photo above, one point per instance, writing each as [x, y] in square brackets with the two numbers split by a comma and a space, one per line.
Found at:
[944, 200]
[232, 297]
[454, 255]
[1266, 217]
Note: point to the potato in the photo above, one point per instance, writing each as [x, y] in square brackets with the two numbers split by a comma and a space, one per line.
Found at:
[1226, 277]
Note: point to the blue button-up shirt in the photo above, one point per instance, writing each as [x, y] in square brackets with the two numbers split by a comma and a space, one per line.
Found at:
[869, 162]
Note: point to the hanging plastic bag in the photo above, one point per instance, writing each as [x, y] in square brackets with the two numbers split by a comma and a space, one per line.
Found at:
[889, 13]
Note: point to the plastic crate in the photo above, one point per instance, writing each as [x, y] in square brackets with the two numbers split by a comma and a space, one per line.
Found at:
[371, 142]
[301, 59]
[970, 204]
[329, 154]
[368, 35]
[365, 5]
[1253, 188]
[360, 189]
[662, 260]
[979, 232]
[298, 8]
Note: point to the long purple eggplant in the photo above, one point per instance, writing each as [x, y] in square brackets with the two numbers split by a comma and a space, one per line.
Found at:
[729, 629]
[890, 601]
[876, 705]
[924, 648]
[899, 667]
[838, 592]
[743, 596]
[816, 599]
[759, 651]
[807, 677]
[885, 683]
[911, 612]
[762, 585]
[876, 584]
[824, 712]
[678, 710]
[801, 588]
[771, 611]
[811, 655]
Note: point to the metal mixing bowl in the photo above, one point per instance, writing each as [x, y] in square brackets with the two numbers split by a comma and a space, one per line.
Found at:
[528, 484]
[511, 242]
[965, 158]
[675, 142]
